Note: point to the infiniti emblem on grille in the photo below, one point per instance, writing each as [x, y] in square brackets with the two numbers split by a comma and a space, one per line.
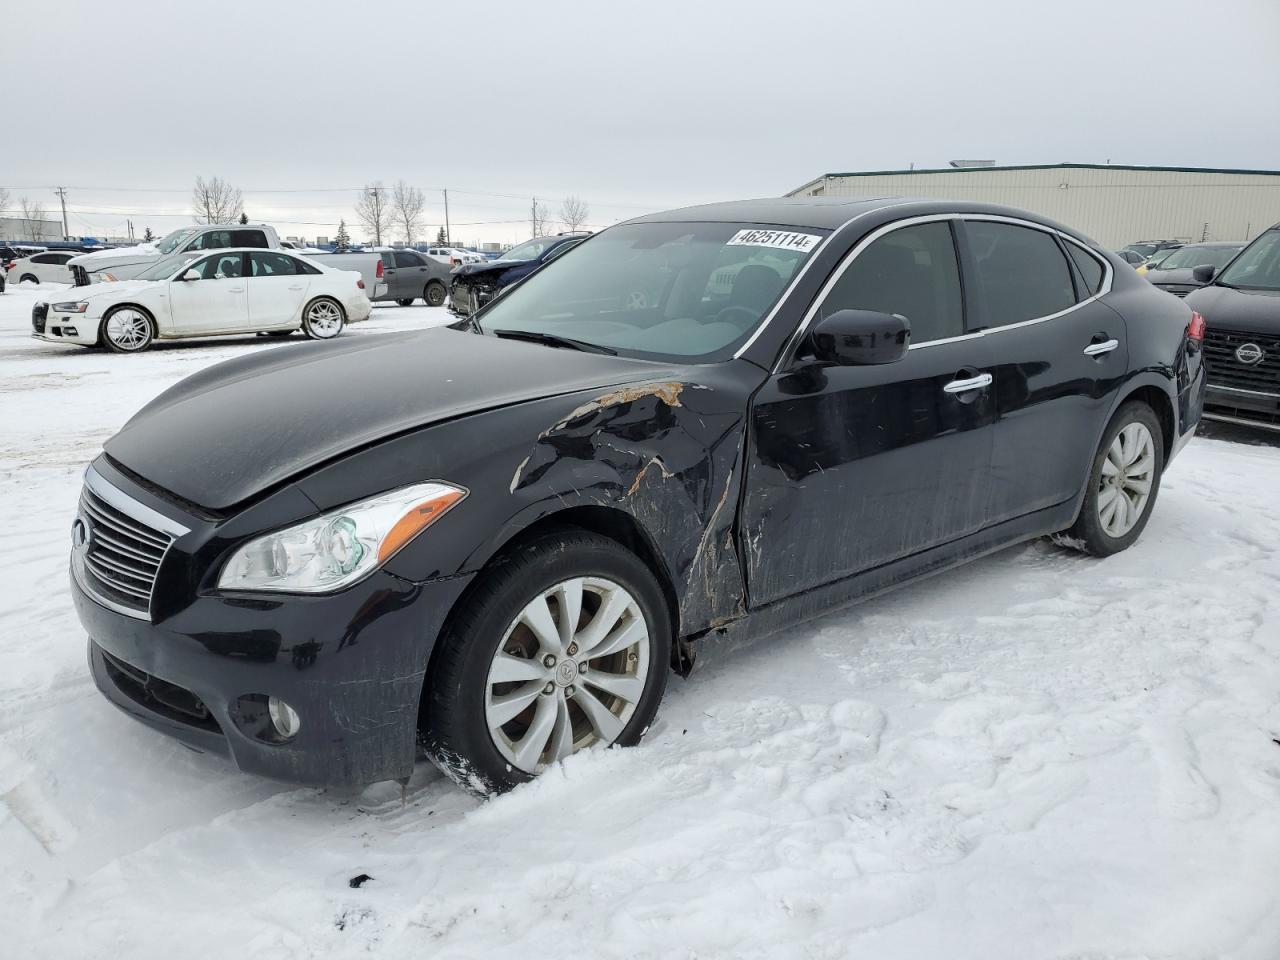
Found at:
[1249, 353]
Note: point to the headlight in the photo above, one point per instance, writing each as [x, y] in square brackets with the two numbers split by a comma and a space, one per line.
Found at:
[104, 277]
[336, 549]
[79, 307]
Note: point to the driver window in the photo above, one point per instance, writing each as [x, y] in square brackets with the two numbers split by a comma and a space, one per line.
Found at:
[224, 266]
[912, 272]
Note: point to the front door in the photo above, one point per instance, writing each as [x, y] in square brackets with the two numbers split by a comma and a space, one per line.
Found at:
[216, 302]
[276, 290]
[1059, 357]
[852, 467]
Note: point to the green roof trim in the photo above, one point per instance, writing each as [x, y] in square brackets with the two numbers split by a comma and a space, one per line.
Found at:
[1035, 166]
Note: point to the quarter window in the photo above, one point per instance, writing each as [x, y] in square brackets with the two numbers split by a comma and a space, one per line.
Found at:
[268, 264]
[1022, 272]
[1089, 267]
[912, 272]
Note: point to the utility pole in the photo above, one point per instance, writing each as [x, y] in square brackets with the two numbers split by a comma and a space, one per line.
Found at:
[447, 238]
[533, 216]
[62, 195]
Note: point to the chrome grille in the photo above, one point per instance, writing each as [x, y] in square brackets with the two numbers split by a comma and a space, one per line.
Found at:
[1225, 369]
[118, 545]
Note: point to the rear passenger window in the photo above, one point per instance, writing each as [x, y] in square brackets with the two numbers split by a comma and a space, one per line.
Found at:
[1022, 272]
[407, 259]
[268, 264]
[1089, 268]
[911, 272]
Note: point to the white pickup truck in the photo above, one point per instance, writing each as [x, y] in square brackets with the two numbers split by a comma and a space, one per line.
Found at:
[125, 263]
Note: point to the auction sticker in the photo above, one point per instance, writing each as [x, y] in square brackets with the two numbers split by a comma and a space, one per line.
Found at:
[778, 239]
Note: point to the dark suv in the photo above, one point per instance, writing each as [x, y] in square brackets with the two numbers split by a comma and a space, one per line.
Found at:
[1241, 306]
[475, 284]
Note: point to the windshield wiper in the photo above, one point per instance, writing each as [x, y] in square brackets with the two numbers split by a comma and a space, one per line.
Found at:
[552, 340]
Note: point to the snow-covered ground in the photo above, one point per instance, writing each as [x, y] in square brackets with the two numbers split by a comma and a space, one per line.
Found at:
[1038, 756]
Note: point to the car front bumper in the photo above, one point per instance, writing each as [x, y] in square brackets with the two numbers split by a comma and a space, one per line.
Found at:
[351, 664]
[55, 327]
[1253, 408]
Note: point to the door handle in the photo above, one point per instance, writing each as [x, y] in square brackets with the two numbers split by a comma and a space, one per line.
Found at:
[1098, 349]
[980, 382]
[295, 288]
[235, 290]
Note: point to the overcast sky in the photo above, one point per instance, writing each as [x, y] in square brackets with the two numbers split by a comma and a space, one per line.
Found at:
[630, 106]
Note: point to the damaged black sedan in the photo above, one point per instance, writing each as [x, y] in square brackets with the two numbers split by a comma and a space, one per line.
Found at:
[496, 541]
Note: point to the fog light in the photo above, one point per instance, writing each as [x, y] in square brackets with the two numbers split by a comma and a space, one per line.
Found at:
[283, 717]
[70, 331]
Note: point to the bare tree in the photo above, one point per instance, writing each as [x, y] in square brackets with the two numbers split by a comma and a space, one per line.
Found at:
[215, 201]
[574, 213]
[374, 212]
[32, 214]
[407, 202]
[539, 218]
[4, 201]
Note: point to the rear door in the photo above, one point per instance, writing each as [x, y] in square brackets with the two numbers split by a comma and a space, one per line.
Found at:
[215, 303]
[411, 272]
[854, 467]
[275, 289]
[1059, 356]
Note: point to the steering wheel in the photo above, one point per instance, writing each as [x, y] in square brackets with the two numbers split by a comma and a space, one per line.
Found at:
[740, 317]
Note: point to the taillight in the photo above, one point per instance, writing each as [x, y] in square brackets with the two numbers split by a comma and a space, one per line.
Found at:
[1195, 330]
[455, 262]
[360, 283]
[379, 274]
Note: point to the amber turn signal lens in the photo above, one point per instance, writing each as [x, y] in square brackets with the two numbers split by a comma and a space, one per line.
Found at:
[415, 521]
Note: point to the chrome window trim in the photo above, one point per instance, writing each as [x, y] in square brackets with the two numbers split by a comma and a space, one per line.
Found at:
[786, 294]
[139, 511]
[1103, 290]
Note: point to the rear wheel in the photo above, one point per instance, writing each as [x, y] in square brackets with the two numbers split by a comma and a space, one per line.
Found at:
[434, 293]
[128, 330]
[1122, 485]
[563, 646]
[323, 319]
[29, 278]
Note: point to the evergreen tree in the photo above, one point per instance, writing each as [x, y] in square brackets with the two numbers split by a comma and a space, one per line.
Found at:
[148, 236]
[244, 218]
[441, 239]
[342, 242]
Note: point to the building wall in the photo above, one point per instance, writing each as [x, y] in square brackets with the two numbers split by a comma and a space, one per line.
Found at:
[15, 228]
[1113, 205]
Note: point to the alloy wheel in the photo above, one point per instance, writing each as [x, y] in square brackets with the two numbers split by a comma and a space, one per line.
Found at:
[128, 329]
[324, 318]
[568, 674]
[1124, 486]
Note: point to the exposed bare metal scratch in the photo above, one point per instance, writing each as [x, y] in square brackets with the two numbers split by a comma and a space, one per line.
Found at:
[653, 462]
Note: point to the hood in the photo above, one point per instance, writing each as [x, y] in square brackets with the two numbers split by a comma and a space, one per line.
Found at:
[488, 268]
[237, 429]
[1249, 311]
[96, 290]
[124, 263]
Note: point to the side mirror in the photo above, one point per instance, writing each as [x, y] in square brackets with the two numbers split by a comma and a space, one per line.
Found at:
[190, 275]
[861, 338]
[1204, 273]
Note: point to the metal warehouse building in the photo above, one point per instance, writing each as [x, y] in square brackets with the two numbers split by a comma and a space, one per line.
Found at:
[1113, 204]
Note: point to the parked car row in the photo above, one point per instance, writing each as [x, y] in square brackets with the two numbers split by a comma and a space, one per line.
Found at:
[474, 285]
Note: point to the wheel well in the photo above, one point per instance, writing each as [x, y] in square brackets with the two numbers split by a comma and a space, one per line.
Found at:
[1158, 401]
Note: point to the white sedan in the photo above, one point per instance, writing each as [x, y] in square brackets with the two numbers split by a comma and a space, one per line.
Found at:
[47, 267]
[229, 291]
[454, 255]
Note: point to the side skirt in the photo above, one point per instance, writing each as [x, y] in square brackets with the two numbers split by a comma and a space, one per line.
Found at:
[801, 607]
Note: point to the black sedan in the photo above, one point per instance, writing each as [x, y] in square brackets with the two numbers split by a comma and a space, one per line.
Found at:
[1241, 305]
[473, 285]
[724, 419]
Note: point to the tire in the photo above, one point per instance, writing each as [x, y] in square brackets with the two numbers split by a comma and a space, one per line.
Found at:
[1134, 435]
[406, 303]
[323, 318]
[127, 329]
[278, 333]
[30, 278]
[461, 728]
[434, 293]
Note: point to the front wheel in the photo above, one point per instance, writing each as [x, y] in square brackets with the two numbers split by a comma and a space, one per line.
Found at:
[323, 319]
[434, 293]
[128, 330]
[1123, 483]
[563, 646]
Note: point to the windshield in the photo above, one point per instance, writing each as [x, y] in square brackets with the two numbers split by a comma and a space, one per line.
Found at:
[1258, 267]
[530, 249]
[661, 290]
[1142, 249]
[164, 269]
[1196, 256]
[172, 241]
